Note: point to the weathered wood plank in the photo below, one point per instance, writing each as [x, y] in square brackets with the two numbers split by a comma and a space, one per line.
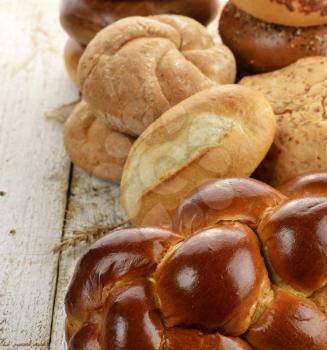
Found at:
[34, 169]
[92, 203]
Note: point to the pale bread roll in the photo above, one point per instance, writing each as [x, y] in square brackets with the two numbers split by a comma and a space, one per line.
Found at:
[139, 67]
[298, 95]
[93, 146]
[223, 131]
[297, 13]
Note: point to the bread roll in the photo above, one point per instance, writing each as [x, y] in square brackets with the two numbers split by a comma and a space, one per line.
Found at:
[138, 68]
[93, 146]
[219, 132]
[298, 95]
[72, 54]
[82, 19]
[148, 288]
[305, 185]
[262, 47]
[299, 13]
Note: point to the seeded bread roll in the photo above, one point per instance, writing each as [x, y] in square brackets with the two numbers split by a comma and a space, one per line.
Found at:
[299, 13]
[93, 146]
[262, 47]
[223, 131]
[138, 68]
[298, 95]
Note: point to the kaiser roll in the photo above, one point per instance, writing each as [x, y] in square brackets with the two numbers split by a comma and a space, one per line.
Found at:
[138, 68]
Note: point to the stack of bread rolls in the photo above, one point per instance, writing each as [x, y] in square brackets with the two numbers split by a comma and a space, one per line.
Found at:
[266, 35]
[130, 74]
[83, 19]
[244, 268]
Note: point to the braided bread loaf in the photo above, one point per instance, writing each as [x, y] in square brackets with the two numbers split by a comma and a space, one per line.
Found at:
[253, 268]
[139, 67]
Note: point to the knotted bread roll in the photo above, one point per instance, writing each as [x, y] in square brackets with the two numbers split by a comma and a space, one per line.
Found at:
[152, 289]
[220, 132]
[95, 147]
[138, 68]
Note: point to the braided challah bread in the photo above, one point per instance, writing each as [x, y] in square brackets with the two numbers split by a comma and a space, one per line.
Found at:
[247, 270]
[139, 67]
[82, 19]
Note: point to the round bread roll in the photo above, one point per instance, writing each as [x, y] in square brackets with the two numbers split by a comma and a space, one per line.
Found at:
[306, 185]
[72, 54]
[223, 131]
[297, 13]
[82, 19]
[153, 289]
[93, 146]
[262, 47]
[298, 95]
[138, 68]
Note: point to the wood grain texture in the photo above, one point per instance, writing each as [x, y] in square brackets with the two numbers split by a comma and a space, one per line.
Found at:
[34, 169]
[92, 202]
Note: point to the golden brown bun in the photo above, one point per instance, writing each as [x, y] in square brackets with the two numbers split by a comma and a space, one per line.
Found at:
[123, 279]
[72, 54]
[152, 289]
[231, 199]
[305, 185]
[292, 237]
[262, 47]
[290, 323]
[297, 13]
[138, 68]
[298, 95]
[82, 19]
[93, 146]
[223, 131]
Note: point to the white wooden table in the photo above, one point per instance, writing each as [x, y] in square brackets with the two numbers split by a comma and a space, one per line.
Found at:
[42, 198]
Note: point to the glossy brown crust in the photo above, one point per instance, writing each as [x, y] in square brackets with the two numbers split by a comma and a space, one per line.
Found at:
[85, 338]
[186, 339]
[289, 323]
[295, 240]
[262, 47]
[222, 297]
[234, 199]
[82, 19]
[132, 253]
[151, 289]
[73, 51]
[311, 184]
[131, 309]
